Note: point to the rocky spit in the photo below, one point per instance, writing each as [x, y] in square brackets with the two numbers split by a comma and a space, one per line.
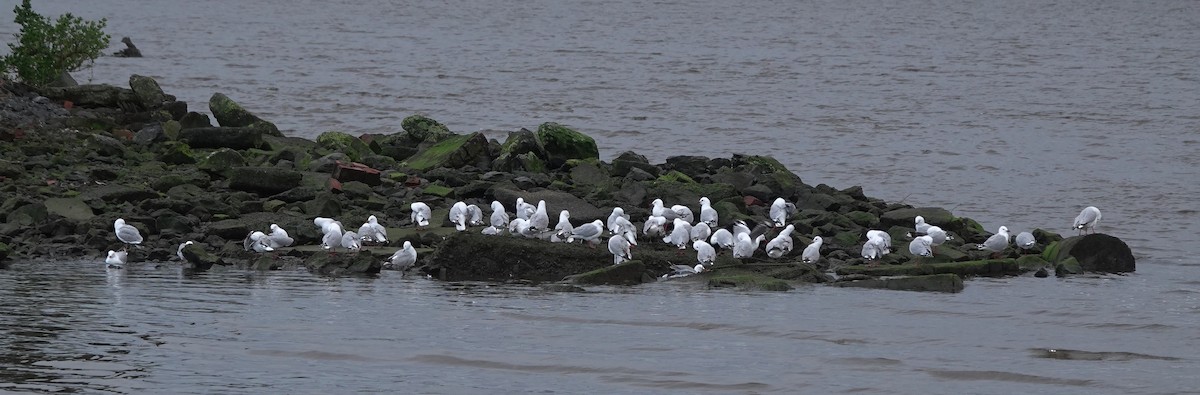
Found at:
[75, 158]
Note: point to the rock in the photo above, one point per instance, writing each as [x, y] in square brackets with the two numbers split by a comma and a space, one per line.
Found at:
[949, 283]
[222, 162]
[230, 229]
[356, 190]
[628, 160]
[116, 193]
[746, 280]
[239, 138]
[1032, 262]
[454, 152]
[1094, 253]
[147, 91]
[230, 114]
[985, 268]
[1041, 273]
[27, 215]
[180, 177]
[5, 251]
[563, 144]
[627, 273]
[199, 259]
[421, 128]
[513, 153]
[176, 153]
[265, 180]
[473, 256]
[105, 145]
[344, 263]
[354, 148]
[906, 216]
[692, 166]
[194, 120]
[863, 219]
[740, 180]
[70, 208]
[562, 288]
[588, 174]
[347, 172]
[93, 95]
[300, 194]
[325, 205]
[152, 133]
[177, 109]
[581, 210]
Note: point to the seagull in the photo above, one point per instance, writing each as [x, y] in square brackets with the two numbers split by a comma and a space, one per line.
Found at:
[782, 244]
[744, 248]
[657, 209]
[327, 224]
[997, 242]
[278, 238]
[519, 227]
[474, 215]
[589, 232]
[722, 239]
[619, 246]
[701, 231]
[499, 218]
[372, 231]
[116, 259]
[402, 259]
[539, 221]
[490, 231]
[626, 229]
[612, 219]
[256, 241]
[939, 236]
[1086, 220]
[708, 214]
[655, 226]
[683, 271]
[812, 253]
[921, 246]
[524, 210]
[1025, 240]
[871, 251]
[780, 209]
[420, 214]
[563, 228]
[739, 227]
[350, 241]
[705, 253]
[179, 252]
[882, 239]
[458, 216]
[684, 212]
[127, 233]
[920, 225]
[680, 234]
[331, 239]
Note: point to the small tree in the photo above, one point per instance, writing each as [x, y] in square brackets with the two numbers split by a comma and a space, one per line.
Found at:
[44, 50]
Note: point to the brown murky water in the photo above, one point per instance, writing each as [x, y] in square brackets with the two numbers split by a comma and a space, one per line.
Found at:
[1013, 113]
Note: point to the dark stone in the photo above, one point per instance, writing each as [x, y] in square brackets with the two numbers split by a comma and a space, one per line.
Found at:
[689, 165]
[230, 229]
[563, 143]
[1095, 253]
[147, 91]
[230, 114]
[629, 160]
[222, 137]
[177, 109]
[152, 133]
[267, 180]
[105, 146]
[94, 96]
[627, 273]
[199, 259]
[905, 217]
[931, 283]
[346, 263]
[221, 161]
[637, 174]
[454, 152]
[588, 174]
[299, 194]
[740, 180]
[116, 193]
[518, 143]
[324, 205]
[353, 147]
[193, 120]
[176, 153]
[348, 172]
[421, 128]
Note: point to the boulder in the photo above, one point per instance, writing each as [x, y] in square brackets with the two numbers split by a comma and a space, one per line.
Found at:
[116, 193]
[70, 208]
[588, 174]
[222, 137]
[230, 114]
[27, 215]
[512, 153]
[563, 144]
[193, 120]
[344, 263]
[420, 128]
[949, 283]
[746, 280]
[147, 91]
[627, 273]
[985, 268]
[152, 133]
[473, 256]
[5, 251]
[629, 160]
[265, 180]
[456, 151]
[692, 166]
[221, 161]
[199, 259]
[354, 148]
[230, 229]
[1094, 252]
[176, 153]
[93, 95]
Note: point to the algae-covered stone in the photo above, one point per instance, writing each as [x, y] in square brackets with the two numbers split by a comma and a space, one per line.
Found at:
[267, 180]
[353, 147]
[230, 114]
[437, 190]
[176, 153]
[457, 151]
[563, 144]
[71, 208]
[949, 283]
[147, 91]
[692, 166]
[627, 273]
[519, 150]
[473, 256]
[986, 268]
[1032, 262]
[222, 137]
[200, 259]
[5, 251]
[222, 161]
[747, 280]
[421, 128]
[676, 176]
[629, 160]
[344, 263]
[863, 218]
[1095, 252]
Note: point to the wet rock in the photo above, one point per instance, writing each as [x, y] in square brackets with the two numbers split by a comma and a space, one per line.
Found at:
[1032, 262]
[421, 128]
[1094, 253]
[70, 208]
[581, 210]
[985, 268]
[194, 120]
[265, 180]
[692, 166]
[454, 152]
[740, 180]
[906, 216]
[150, 134]
[438, 190]
[239, 138]
[949, 283]
[230, 229]
[563, 144]
[180, 177]
[230, 114]
[221, 161]
[199, 259]
[746, 280]
[345, 263]
[629, 160]
[300, 194]
[354, 148]
[116, 193]
[513, 153]
[1041, 273]
[93, 96]
[348, 172]
[147, 91]
[562, 288]
[472, 256]
[627, 273]
[176, 153]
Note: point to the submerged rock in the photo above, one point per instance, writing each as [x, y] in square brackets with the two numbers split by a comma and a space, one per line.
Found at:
[1094, 253]
[627, 273]
[344, 263]
[930, 283]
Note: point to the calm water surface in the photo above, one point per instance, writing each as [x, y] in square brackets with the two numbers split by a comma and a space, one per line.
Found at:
[1012, 113]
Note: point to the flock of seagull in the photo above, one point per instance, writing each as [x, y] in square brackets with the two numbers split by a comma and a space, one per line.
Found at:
[676, 225]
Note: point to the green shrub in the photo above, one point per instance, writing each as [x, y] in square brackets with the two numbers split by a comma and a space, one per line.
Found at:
[44, 50]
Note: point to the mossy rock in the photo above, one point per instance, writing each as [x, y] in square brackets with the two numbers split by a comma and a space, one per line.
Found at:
[70, 208]
[676, 176]
[530, 162]
[176, 153]
[222, 137]
[627, 273]
[199, 258]
[231, 114]
[344, 263]
[453, 152]
[949, 283]
[1094, 252]
[421, 128]
[5, 251]
[267, 180]
[746, 280]
[1032, 262]
[353, 147]
[148, 92]
[863, 219]
[906, 216]
[985, 268]
[437, 190]
[519, 144]
[761, 164]
[221, 161]
[563, 143]
[171, 129]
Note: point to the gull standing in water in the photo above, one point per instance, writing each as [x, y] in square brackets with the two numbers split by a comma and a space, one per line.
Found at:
[116, 259]
[402, 259]
[420, 214]
[127, 233]
[619, 247]
[1087, 219]
[812, 253]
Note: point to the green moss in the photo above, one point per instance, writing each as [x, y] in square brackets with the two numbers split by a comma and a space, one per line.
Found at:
[1032, 262]
[746, 280]
[5, 250]
[989, 267]
[863, 218]
[437, 190]
[676, 177]
[766, 164]
[354, 148]
[1050, 254]
[422, 128]
[627, 273]
[531, 162]
[563, 143]
[846, 239]
[455, 151]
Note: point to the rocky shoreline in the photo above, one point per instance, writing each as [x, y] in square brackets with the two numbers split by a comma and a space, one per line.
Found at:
[73, 159]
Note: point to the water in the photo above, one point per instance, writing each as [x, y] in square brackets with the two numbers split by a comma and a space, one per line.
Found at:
[1013, 113]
